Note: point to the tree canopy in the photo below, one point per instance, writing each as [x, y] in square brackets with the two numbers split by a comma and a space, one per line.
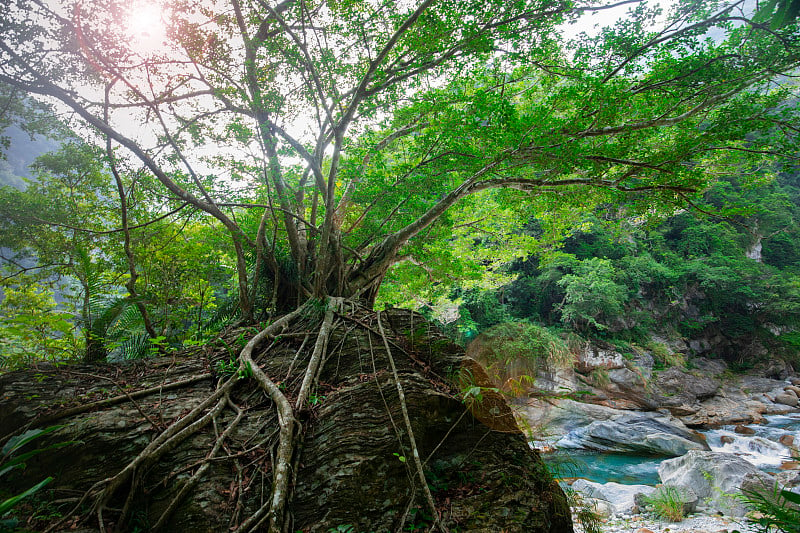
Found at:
[353, 129]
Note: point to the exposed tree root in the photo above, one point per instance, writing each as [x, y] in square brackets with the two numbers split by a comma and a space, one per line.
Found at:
[86, 407]
[273, 510]
[191, 482]
[317, 354]
[103, 491]
[412, 441]
[271, 461]
[130, 398]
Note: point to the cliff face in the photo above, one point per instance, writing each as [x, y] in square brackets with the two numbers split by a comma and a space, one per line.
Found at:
[353, 468]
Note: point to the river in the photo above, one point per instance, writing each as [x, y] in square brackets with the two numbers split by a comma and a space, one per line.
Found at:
[762, 448]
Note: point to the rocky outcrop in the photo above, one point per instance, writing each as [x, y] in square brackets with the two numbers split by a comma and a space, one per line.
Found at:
[705, 396]
[635, 433]
[600, 428]
[716, 478]
[621, 498]
[352, 470]
[740, 400]
[593, 357]
[677, 387]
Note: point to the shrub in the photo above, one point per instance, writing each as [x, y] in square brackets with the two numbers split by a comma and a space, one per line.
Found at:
[11, 459]
[664, 357]
[667, 503]
[778, 511]
[593, 298]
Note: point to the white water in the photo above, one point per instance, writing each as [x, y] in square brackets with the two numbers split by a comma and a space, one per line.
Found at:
[763, 449]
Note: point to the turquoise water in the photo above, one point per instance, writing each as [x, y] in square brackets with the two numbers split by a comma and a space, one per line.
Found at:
[761, 449]
[604, 467]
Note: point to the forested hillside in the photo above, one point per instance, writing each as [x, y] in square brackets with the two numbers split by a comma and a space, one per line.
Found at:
[723, 274]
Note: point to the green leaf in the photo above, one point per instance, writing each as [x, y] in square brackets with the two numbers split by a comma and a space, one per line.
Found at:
[791, 496]
[18, 441]
[8, 504]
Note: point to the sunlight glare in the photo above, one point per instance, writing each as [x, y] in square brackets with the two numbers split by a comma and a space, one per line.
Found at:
[146, 26]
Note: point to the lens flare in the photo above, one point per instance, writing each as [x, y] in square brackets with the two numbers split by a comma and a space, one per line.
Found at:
[146, 26]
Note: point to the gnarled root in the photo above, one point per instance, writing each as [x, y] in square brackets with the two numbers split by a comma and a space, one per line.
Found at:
[290, 395]
[275, 509]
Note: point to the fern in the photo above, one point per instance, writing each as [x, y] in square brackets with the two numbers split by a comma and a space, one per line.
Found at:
[136, 346]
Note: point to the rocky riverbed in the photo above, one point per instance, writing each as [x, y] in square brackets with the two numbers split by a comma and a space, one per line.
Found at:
[706, 423]
[698, 523]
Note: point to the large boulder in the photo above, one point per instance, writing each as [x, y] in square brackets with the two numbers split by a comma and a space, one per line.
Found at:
[787, 398]
[716, 478]
[676, 386]
[744, 399]
[622, 498]
[593, 357]
[576, 425]
[550, 417]
[637, 433]
[352, 467]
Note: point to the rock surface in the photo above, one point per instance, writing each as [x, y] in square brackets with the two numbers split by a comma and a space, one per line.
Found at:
[600, 428]
[635, 433]
[715, 477]
[486, 476]
[622, 498]
[706, 396]
[610, 418]
[693, 524]
[593, 357]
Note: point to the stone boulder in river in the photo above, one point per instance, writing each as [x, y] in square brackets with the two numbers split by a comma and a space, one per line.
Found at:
[636, 433]
[622, 498]
[716, 478]
[600, 428]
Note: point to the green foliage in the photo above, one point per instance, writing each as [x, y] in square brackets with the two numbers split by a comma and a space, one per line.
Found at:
[245, 371]
[664, 357]
[618, 279]
[592, 297]
[419, 519]
[515, 341]
[417, 162]
[778, 510]
[778, 13]
[584, 511]
[33, 327]
[344, 528]
[315, 399]
[480, 310]
[667, 503]
[227, 368]
[11, 459]
[232, 366]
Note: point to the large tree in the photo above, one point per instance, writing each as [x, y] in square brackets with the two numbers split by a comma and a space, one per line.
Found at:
[363, 123]
[366, 132]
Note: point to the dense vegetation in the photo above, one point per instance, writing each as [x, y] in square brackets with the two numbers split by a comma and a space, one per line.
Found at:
[691, 275]
[725, 268]
[287, 166]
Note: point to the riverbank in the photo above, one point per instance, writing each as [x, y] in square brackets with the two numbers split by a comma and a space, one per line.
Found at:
[704, 430]
[698, 523]
[713, 481]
